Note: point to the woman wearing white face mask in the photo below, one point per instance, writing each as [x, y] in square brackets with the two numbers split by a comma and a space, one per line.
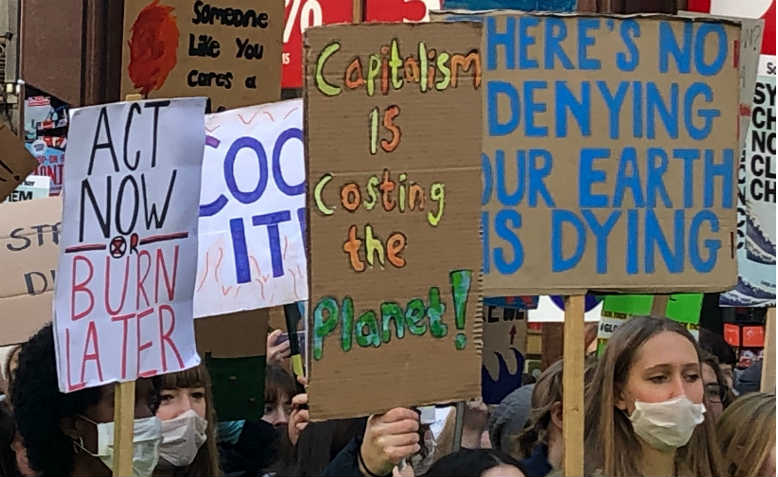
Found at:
[72, 434]
[645, 408]
[188, 445]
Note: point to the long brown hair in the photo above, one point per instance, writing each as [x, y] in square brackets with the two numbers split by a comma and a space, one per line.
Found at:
[747, 433]
[612, 448]
[206, 462]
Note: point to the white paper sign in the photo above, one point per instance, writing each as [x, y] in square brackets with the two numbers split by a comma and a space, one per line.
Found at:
[252, 210]
[126, 272]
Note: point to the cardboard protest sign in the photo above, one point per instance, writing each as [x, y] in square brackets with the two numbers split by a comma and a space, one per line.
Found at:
[15, 164]
[29, 238]
[129, 236]
[394, 262]
[32, 187]
[505, 344]
[619, 176]
[227, 51]
[252, 210]
[764, 9]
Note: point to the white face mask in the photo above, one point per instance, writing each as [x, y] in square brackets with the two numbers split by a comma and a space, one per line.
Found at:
[147, 433]
[182, 437]
[667, 425]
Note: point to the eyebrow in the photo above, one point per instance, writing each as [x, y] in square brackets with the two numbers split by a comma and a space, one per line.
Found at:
[668, 366]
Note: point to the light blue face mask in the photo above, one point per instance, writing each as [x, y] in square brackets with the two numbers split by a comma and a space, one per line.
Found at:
[229, 431]
[147, 434]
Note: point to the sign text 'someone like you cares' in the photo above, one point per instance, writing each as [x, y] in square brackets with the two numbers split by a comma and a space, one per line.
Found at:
[610, 154]
[128, 247]
[393, 136]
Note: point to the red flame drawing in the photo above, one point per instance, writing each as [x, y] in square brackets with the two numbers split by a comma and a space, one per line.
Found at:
[152, 47]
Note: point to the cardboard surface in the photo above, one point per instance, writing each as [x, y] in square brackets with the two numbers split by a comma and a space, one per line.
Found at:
[252, 210]
[229, 52]
[129, 236]
[579, 196]
[505, 345]
[362, 359]
[234, 335]
[29, 238]
[16, 162]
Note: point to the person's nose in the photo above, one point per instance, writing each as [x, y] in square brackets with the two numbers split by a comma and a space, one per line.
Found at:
[678, 387]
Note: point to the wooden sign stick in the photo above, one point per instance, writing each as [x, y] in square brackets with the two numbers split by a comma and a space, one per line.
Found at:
[768, 361]
[573, 386]
[659, 305]
[123, 418]
[123, 411]
[357, 11]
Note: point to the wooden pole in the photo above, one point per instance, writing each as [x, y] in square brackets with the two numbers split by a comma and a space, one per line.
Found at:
[357, 11]
[123, 418]
[573, 387]
[123, 411]
[659, 306]
[459, 426]
[768, 360]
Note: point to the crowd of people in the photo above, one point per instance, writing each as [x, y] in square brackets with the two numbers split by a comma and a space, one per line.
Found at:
[657, 403]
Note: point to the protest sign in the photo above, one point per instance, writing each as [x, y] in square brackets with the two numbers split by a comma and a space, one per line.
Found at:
[29, 238]
[505, 344]
[230, 52]
[128, 239]
[756, 200]
[620, 179]
[552, 310]
[392, 147]
[523, 302]
[16, 163]
[252, 210]
[33, 187]
[617, 309]
[302, 14]
[526, 5]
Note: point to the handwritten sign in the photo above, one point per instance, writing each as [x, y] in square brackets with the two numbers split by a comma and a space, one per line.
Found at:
[609, 157]
[16, 163]
[29, 235]
[123, 303]
[393, 137]
[252, 210]
[229, 51]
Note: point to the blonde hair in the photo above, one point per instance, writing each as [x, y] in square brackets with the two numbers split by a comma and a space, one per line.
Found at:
[747, 433]
[612, 448]
[206, 463]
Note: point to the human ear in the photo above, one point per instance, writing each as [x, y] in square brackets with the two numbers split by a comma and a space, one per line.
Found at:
[621, 401]
[556, 414]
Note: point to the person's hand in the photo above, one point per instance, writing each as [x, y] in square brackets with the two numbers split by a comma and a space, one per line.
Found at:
[298, 419]
[277, 353]
[389, 438]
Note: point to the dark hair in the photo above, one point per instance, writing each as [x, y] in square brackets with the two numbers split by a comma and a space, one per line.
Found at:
[279, 383]
[547, 392]
[726, 395]
[39, 406]
[714, 343]
[317, 446]
[470, 462]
